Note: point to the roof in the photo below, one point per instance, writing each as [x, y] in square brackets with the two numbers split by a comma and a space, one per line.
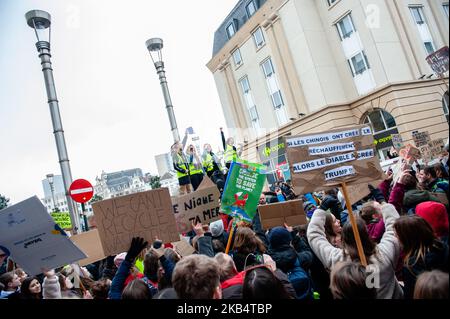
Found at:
[239, 17]
[122, 179]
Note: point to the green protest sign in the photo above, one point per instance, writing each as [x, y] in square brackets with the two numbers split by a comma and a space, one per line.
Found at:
[62, 219]
[243, 187]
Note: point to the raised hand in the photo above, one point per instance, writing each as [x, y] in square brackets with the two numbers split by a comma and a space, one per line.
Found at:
[137, 245]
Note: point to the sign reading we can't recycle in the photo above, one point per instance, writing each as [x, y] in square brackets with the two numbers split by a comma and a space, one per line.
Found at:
[327, 159]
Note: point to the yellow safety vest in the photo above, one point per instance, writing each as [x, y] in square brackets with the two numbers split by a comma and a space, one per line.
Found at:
[192, 169]
[182, 164]
[229, 155]
[208, 163]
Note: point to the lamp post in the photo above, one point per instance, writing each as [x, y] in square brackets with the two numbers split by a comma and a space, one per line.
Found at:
[155, 46]
[40, 21]
[52, 189]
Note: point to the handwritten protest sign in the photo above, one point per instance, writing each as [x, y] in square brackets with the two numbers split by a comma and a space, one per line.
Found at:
[90, 243]
[436, 147]
[243, 187]
[277, 214]
[410, 153]
[146, 214]
[33, 240]
[62, 219]
[397, 141]
[322, 160]
[201, 206]
[421, 138]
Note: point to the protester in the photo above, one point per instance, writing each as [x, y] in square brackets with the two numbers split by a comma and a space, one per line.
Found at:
[99, 289]
[195, 167]
[230, 154]
[383, 256]
[22, 274]
[333, 230]
[181, 166]
[349, 281]
[432, 285]
[247, 249]
[432, 183]
[332, 203]
[197, 277]
[441, 172]
[291, 262]
[261, 283]
[436, 215]
[413, 195]
[11, 283]
[423, 251]
[30, 289]
[213, 167]
[374, 221]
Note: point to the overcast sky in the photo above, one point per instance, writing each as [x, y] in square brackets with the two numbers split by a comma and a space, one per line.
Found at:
[111, 103]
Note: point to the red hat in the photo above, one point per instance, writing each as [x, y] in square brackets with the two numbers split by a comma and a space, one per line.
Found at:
[436, 215]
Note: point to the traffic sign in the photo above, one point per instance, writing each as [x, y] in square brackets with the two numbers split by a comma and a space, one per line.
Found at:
[81, 191]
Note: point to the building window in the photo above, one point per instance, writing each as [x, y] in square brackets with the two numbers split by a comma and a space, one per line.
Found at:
[331, 2]
[422, 26]
[259, 38]
[231, 30]
[345, 27]
[380, 120]
[359, 64]
[445, 6]
[274, 92]
[251, 8]
[237, 58]
[249, 102]
[445, 105]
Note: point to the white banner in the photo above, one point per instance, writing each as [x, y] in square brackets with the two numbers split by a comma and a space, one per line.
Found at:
[323, 162]
[366, 131]
[321, 138]
[331, 148]
[339, 172]
[365, 154]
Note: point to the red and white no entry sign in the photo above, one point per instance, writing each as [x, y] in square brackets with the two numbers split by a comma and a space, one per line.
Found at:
[81, 191]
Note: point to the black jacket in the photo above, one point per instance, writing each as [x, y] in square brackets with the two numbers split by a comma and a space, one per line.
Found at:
[435, 258]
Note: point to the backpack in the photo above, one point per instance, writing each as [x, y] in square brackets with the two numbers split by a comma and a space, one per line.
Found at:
[299, 278]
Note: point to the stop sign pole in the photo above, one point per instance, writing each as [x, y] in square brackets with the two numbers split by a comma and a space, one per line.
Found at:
[82, 191]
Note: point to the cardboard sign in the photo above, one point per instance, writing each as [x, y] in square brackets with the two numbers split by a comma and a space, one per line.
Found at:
[397, 141]
[425, 152]
[33, 240]
[62, 219]
[243, 187]
[183, 248]
[359, 191]
[410, 153]
[438, 61]
[436, 147]
[201, 206]
[276, 214]
[421, 138]
[146, 214]
[327, 159]
[90, 243]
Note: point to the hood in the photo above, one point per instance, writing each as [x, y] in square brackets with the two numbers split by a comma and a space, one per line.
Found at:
[285, 259]
[279, 237]
[414, 197]
[436, 215]
[236, 280]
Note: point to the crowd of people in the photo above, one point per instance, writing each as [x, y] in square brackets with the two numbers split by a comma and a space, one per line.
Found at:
[403, 228]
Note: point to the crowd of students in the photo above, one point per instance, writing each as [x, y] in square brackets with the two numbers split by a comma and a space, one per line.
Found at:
[403, 228]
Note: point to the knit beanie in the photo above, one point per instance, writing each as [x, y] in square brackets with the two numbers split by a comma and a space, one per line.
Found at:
[436, 215]
[216, 228]
[279, 236]
[119, 258]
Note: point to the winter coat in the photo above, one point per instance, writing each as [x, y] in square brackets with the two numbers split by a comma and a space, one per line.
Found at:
[414, 197]
[376, 230]
[385, 259]
[396, 196]
[435, 258]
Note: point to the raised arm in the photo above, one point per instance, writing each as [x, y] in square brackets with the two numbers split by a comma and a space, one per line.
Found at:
[327, 253]
[389, 245]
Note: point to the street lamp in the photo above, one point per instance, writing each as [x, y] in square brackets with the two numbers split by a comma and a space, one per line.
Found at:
[40, 22]
[155, 46]
[52, 189]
